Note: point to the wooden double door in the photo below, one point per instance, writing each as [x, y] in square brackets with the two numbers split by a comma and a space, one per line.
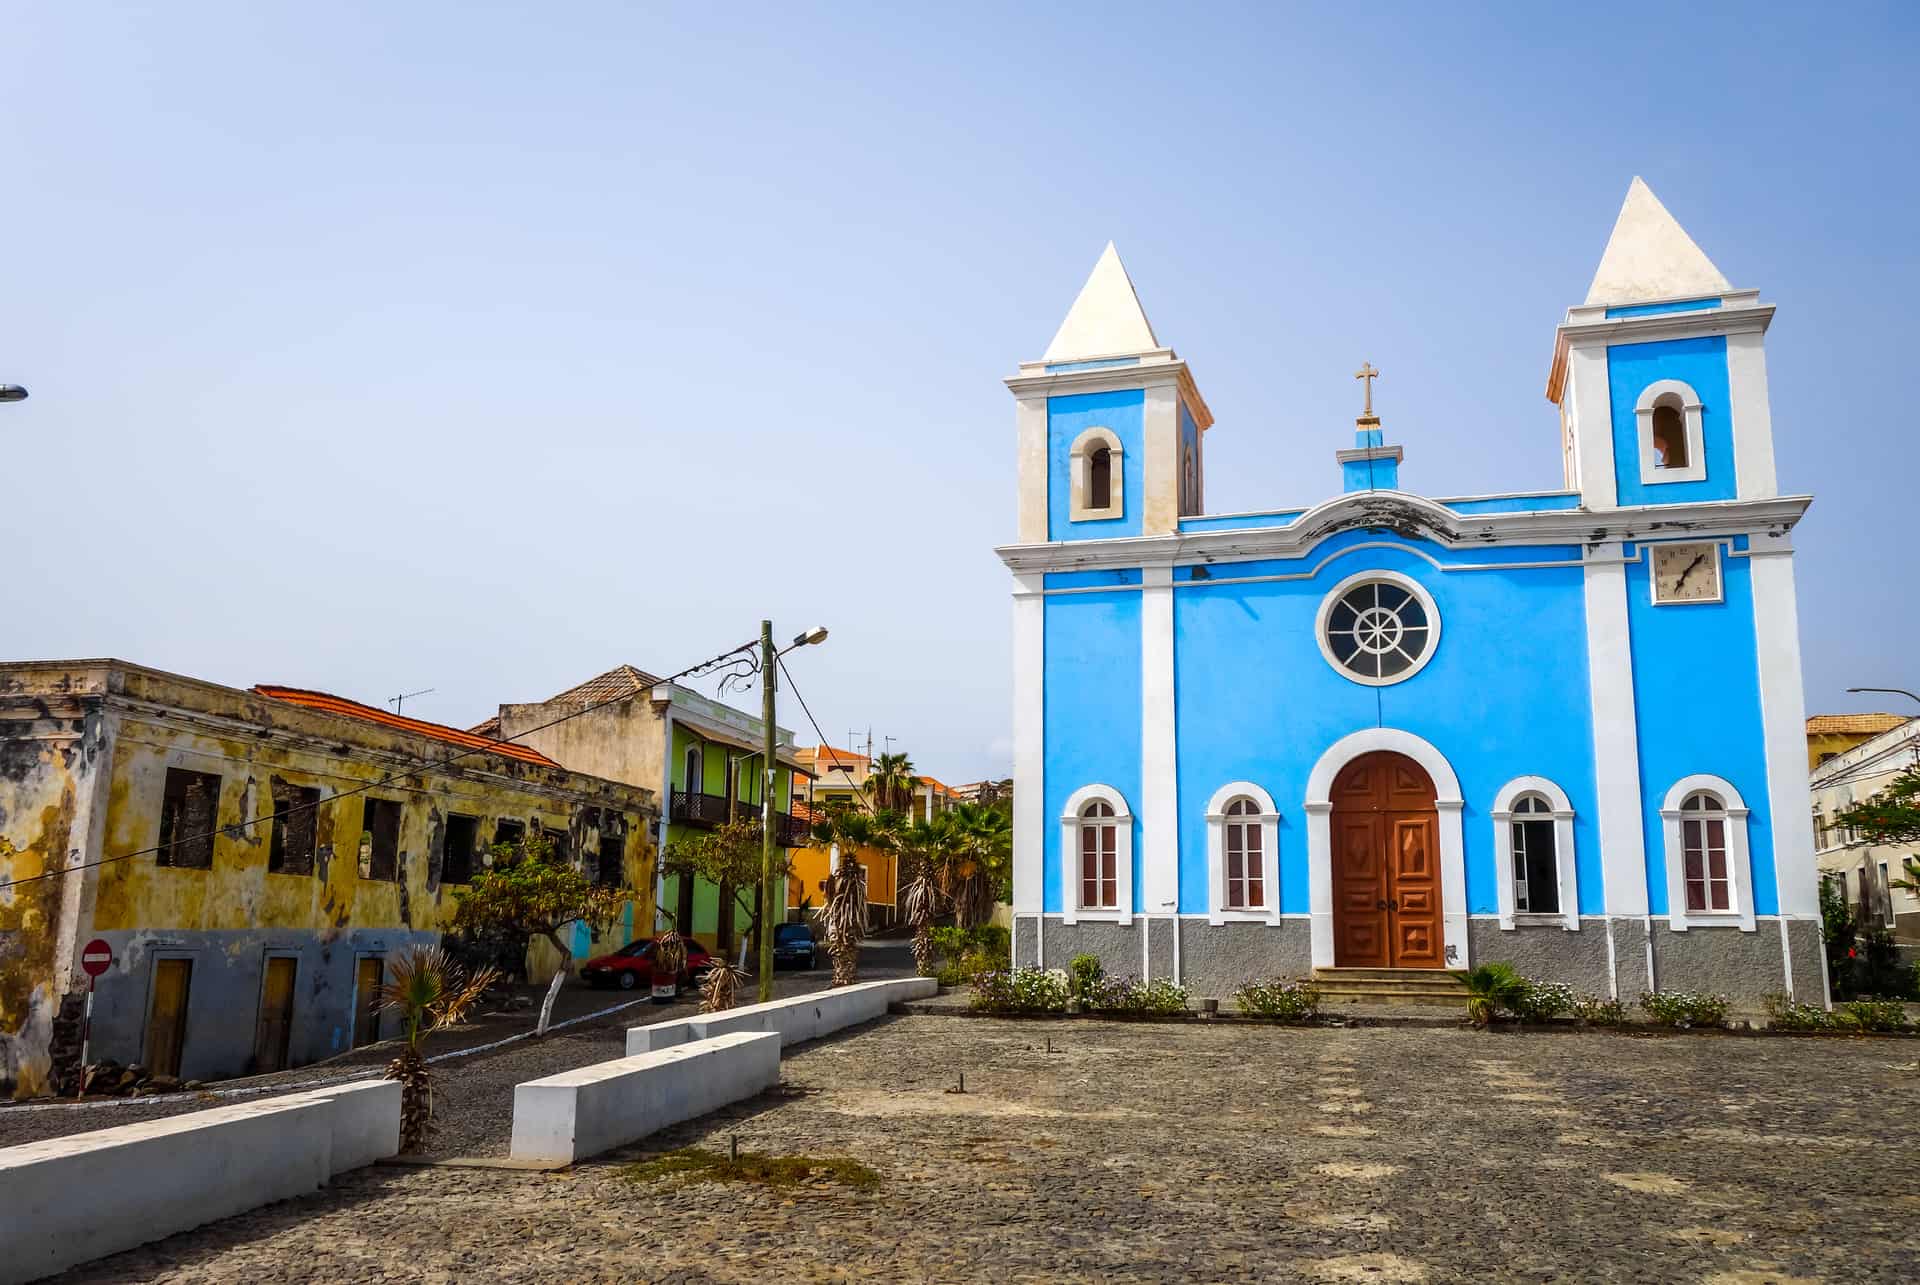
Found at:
[1386, 866]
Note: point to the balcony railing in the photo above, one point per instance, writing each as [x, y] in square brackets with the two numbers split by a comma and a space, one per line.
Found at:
[710, 810]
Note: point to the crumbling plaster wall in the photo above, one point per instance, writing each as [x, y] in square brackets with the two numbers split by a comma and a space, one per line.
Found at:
[63, 788]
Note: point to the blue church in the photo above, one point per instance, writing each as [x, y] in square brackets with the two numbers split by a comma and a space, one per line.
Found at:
[1563, 727]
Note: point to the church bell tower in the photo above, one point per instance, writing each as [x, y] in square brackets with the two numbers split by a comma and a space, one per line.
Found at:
[1110, 424]
[1661, 374]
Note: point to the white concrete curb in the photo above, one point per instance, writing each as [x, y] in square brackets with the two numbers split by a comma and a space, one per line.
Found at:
[580, 1113]
[71, 1200]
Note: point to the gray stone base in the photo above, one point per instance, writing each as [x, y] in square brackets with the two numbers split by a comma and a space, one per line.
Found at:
[1214, 959]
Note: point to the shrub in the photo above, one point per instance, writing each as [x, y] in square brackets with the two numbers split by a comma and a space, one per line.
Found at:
[1125, 995]
[1538, 1001]
[1491, 988]
[1597, 1011]
[967, 952]
[1876, 1014]
[1785, 1015]
[1685, 1008]
[1083, 974]
[1020, 990]
[1283, 1000]
[958, 972]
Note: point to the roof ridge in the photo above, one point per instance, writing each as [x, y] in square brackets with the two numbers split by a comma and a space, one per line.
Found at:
[346, 707]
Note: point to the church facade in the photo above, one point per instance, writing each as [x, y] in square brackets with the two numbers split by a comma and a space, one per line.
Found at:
[1562, 728]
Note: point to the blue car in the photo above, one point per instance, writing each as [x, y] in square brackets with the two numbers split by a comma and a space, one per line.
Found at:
[794, 946]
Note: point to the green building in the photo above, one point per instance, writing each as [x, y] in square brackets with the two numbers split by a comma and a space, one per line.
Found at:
[705, 758]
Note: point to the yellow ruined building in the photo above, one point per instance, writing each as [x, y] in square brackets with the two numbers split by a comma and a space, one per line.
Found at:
[125, 797]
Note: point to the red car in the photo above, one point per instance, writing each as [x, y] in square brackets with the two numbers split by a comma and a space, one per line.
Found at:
[631, 966]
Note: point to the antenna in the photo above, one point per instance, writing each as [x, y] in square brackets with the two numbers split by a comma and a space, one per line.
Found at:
[397, 701]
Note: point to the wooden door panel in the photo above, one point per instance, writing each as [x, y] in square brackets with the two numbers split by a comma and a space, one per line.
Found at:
[167, 1023]
[368, 973]
[1412, 850]
[274, 1030]
[1384, 830]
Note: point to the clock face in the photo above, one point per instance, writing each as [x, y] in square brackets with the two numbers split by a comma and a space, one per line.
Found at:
[1686, 572]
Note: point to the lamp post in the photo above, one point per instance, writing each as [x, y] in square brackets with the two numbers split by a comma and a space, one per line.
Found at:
[769, 667]
[1891, 691]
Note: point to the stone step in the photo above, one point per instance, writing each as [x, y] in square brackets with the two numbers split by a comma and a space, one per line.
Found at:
[1388, 995]
[1387, 974]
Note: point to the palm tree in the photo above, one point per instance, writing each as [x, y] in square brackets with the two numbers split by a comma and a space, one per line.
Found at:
[981, 847]
[924, 847]
[891, 783]
[431, 992]
[1490, 988]
[845, 917]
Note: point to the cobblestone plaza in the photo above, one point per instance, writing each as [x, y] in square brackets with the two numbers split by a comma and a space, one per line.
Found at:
[1116, 1151]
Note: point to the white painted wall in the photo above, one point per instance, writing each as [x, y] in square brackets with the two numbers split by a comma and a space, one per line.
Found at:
[590, 1109]
[74, 1199]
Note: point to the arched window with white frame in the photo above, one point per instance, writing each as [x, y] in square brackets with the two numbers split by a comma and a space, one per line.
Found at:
[1709, 880]
[1096, 856]
[1668, 415]
[1243, 855]
[1095, 482]
[1533, 849]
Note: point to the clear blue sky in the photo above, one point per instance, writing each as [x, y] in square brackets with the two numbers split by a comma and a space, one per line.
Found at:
[481, 347]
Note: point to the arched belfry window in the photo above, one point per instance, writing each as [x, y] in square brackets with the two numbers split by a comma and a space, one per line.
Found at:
[1708, 882]
[1668, 412]
[1100, 478]
[1096, 856]
[1096, 483]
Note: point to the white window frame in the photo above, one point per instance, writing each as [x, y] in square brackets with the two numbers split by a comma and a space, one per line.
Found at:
[1560, 808]
[1268, 818]
[1352, 582]
[1080, 474]
[1070, 823]
[1666, 390]
[1739, 878]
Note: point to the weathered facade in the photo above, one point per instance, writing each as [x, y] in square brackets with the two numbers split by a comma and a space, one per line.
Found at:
[706, 758]
[1867, 874]
[132, 810]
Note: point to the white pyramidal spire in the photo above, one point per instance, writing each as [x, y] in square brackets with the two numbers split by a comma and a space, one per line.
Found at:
[1106, 320]
[1650, 256]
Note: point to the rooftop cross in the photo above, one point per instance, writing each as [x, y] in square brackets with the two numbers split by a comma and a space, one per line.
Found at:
[1368, 373]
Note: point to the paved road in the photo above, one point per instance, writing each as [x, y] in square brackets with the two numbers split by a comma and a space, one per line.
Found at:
[474, 1097]
[1176, 1153]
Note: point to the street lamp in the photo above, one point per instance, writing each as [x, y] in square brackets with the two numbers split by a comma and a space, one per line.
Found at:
[769, 663]
[12, 393]
[1891, 691]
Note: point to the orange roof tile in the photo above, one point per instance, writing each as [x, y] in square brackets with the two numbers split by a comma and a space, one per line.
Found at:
[1853, 724]
[330, 704]
[489, 728]
[825, 757]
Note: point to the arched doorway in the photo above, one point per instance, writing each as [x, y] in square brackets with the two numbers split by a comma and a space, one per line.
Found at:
[1386, 865]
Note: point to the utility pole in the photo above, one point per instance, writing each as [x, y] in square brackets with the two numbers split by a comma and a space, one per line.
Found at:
[769, 663]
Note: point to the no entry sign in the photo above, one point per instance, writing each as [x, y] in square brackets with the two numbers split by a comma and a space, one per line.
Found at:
[97, 957]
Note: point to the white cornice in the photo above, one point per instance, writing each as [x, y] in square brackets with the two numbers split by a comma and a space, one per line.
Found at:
[1413, 517]
[1584, 327]
[1034, 380]
[1361, 453]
